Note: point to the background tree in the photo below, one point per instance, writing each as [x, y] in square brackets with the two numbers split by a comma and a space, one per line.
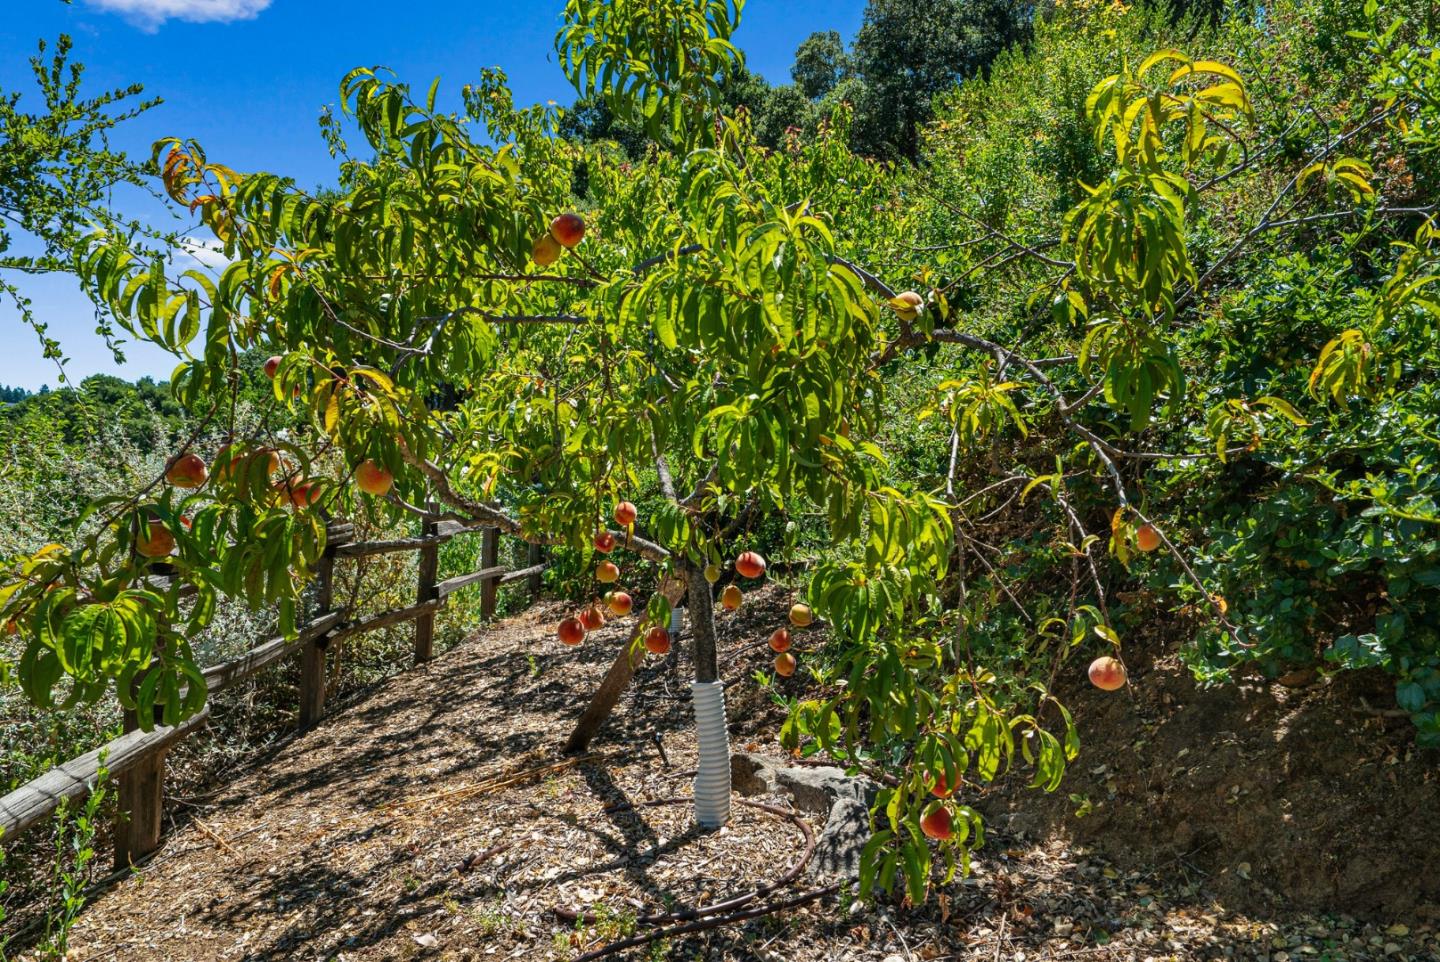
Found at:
[907, 51]
[59, 175]
[820, 64]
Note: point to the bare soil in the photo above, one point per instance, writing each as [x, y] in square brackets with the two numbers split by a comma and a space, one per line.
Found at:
[433, 819]
[1297, 794]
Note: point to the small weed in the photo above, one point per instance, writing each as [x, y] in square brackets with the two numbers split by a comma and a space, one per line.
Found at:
[492, 920]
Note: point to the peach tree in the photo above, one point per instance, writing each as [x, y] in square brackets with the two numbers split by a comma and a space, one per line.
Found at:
[464, 334]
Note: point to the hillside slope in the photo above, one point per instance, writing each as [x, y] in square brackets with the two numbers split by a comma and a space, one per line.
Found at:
[385, 834]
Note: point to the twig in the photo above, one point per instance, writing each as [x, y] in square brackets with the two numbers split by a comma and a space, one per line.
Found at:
[215, 837]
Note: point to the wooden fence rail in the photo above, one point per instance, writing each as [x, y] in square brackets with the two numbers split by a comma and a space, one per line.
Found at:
[136, 759]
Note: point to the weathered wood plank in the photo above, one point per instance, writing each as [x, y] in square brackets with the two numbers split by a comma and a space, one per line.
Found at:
[338, 533]
[427, 570]
[365, 549]
[224, 675]
[386, 619]
[312, 659]
[534, 571]
[451, 585]
[536, 566]
[35, 801]
[140, 808]
[452, 528]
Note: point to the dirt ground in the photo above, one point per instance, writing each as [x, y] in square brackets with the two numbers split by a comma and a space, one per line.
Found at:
[1286, 795]
[433, 819]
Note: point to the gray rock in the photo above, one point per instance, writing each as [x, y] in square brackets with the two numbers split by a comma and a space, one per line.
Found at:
[846, 799]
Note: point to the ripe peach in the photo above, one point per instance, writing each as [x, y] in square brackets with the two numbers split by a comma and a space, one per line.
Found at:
[750, 565]
[800, 615]
[187, 471]
[545, 251]
[731, 597]
[1147, 538]
[657, 641]
[571, 631]
[625, 514]
[373, 478]
[936, 823]
[232, 459]
[1107, 673]
[942, 788]
[604, 542]
[911, 302]
[298, 494]
[780, 640]
[568, 229]
[592, 618]
[155, 541]
[272, 364]
[620, 603]
[785, 664]
[607, 572]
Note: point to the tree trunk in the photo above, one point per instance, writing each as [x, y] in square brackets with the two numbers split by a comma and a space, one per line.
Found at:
[702, 624]
[617, 679]
[712, 777]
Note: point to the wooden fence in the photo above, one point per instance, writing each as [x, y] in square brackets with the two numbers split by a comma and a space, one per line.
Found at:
[136, 760]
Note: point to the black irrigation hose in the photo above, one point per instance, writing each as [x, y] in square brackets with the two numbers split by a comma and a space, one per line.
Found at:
[701, 911]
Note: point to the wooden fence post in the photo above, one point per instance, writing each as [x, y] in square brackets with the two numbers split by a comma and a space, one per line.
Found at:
[429, 572]
[489, 558]
[312, 659]
[533, 583]
[140, 797]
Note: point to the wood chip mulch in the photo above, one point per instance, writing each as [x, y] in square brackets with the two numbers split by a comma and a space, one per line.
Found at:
[434, 819]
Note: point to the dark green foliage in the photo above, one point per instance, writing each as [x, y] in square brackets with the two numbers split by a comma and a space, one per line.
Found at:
[908, 51]
[1323, 538]
[821, 63]
[590, 120]
[103, 401]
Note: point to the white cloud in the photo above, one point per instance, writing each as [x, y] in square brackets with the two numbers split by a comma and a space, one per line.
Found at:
[150, 14]
[204, 253]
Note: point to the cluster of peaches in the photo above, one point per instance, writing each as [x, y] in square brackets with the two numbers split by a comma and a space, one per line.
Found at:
[565, 232]
[188, 470]
[749, 564]
[572, 630]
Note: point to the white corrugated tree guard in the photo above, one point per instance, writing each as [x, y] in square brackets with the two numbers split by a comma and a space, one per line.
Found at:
[712, 777]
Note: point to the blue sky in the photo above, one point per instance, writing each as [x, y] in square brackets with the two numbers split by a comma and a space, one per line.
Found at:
[247, 78]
